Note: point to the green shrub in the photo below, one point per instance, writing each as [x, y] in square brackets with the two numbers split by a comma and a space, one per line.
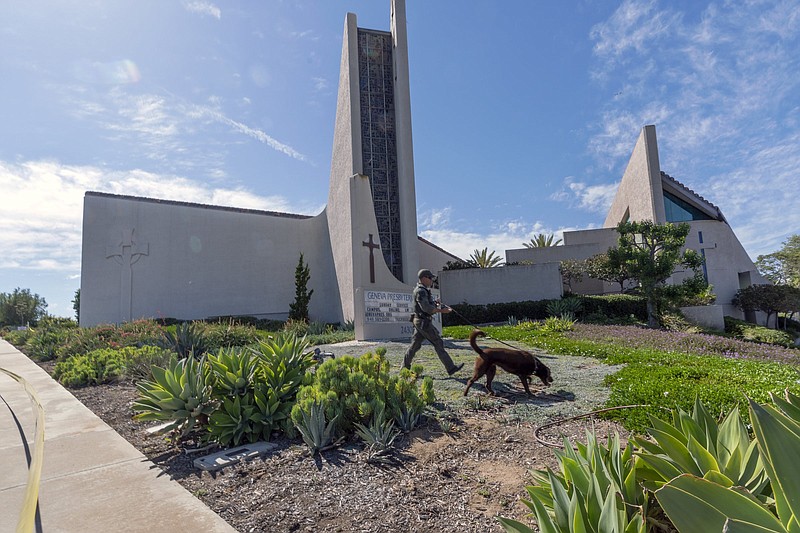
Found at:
[351, 390]
[609, 305]
[108, 364]
[17, 337]
[226, 334]
[45, 341]
[138, 362]
[95, 367]
[752, 332]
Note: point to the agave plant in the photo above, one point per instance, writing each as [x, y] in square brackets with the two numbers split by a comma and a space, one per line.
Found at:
[315, 431]
[565, 308]
[284, 361]
[180, 393]
[596, 490]
[695, 444]
[187, 339]
[698, 505]
[379, 435]
[233, 370]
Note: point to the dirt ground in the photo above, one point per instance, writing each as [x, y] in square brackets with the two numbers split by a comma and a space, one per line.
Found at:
[456, 475]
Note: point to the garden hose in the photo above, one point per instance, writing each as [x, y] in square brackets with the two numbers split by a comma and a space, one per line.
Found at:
[577, 417]
[27, 516]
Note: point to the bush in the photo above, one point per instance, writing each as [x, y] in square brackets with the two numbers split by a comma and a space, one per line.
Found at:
[352, 390]
[107, 365]
[226, 334]
[609, 305]
[755, 333]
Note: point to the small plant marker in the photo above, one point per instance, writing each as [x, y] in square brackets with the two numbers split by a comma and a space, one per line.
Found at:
[231, 456]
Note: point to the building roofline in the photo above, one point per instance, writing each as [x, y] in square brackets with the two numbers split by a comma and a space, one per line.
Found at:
[429, 243]
[196, 205]
[710, 207]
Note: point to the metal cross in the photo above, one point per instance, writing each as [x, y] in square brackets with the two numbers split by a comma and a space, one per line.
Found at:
[372, 246]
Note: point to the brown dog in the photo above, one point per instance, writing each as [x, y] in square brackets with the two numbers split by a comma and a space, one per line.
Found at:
[518, 362]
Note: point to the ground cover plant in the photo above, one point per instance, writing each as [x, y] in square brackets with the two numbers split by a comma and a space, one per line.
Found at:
[664, 368]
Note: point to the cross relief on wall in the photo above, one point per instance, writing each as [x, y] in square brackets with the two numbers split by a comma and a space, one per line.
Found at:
[126, 252]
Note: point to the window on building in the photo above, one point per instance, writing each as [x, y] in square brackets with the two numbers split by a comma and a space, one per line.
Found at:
[677, 210]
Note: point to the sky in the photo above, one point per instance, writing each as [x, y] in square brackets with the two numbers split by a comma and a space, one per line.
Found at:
[524, 114]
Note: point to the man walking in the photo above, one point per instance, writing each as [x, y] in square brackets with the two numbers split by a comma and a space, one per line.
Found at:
[424, 309]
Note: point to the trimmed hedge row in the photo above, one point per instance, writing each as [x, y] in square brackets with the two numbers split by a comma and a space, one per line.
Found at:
[610, 305]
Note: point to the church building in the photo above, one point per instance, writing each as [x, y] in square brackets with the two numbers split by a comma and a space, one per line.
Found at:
[144, 257]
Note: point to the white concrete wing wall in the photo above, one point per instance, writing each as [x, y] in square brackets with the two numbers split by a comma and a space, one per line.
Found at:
[146, 258]
[498, 285]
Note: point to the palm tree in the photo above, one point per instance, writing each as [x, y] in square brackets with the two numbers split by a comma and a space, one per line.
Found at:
[540, 240]
[485, 259]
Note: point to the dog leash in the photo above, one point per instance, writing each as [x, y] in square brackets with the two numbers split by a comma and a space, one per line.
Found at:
[477, 327]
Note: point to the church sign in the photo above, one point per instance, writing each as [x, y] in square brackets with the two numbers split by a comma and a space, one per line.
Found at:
[383, 306]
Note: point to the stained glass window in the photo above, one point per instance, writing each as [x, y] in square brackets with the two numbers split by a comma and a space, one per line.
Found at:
[378, 143]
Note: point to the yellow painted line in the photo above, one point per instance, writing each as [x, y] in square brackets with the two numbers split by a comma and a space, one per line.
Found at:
[27, 515]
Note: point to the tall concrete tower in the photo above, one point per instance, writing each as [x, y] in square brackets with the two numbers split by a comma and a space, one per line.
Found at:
[373, 143]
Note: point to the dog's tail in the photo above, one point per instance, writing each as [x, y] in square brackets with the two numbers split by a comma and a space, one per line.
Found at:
[473, 341]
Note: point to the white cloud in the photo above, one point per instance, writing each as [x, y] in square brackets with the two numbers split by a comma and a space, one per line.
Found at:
[635, 25]
[320, 84]
[592, 198]
[435, 225]
[252, 132]
[43, 207]
[160, 126]
[203, 8]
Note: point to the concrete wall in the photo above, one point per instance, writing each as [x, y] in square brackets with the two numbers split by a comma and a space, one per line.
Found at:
[503, 284]
[640, 192]
[432, 257]
[707, 316]
[191, 261]
[725, 260]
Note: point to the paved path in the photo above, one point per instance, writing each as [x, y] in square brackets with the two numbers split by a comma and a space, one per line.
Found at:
[92, 479]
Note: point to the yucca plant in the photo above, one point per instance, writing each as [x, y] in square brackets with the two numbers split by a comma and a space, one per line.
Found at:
[694, 443]
[698, 505]
[233, 370]
[595, 491]
[180, 392]
[315, 431]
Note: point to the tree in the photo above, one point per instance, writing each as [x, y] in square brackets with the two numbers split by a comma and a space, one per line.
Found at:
[572, 270]
[610, 266]
[76, 304]
[540, 240]
[782, 267]
[485, 259]
[20, 308]
[652, 252]
[302, 296]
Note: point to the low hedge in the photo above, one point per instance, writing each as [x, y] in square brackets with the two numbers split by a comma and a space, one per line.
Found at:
[610, 305]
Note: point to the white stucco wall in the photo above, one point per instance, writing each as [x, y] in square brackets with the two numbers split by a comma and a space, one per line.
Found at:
[503, 284]
[725, 259]
[201, 261]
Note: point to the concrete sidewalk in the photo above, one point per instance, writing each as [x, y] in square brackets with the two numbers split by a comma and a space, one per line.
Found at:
[92, 479]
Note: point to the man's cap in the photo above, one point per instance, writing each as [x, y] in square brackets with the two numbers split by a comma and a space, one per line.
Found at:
[425, 273]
